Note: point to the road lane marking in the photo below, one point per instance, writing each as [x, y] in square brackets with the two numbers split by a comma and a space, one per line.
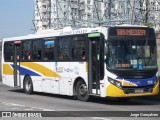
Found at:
[15, 108]
[100, 118]
[24, 106]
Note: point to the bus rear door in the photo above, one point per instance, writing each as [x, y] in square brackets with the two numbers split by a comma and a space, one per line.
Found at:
[16, 63]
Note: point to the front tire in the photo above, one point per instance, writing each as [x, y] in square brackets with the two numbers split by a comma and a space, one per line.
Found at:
[28, 85]
[82, 91]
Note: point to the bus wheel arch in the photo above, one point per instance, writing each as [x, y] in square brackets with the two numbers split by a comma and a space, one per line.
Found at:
[28, 84]
[75, 83]
[81, 90]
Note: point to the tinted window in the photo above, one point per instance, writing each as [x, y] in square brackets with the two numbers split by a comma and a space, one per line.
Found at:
[64, 48]
[49, 46]
[8, 51]
[79, 47]
[26, 50]
[37, 53]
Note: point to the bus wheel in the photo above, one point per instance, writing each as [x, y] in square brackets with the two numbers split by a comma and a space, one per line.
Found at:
[28, 85]
[82, 91]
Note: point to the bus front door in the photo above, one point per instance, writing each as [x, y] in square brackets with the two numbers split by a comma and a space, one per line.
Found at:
[94, 66]
[16, 64]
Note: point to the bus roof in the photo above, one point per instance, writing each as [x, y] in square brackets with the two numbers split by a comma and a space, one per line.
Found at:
[128, 25]
[66, 31]
[59, 32]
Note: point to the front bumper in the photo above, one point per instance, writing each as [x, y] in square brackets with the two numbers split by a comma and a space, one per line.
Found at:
[113, 91]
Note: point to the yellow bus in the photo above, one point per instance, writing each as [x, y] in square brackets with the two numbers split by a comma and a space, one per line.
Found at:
[111, 61]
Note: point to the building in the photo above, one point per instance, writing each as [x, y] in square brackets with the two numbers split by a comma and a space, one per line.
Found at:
[60, 13]
[54, 14]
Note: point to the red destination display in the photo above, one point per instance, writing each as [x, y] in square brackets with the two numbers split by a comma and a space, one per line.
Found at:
[131, 32]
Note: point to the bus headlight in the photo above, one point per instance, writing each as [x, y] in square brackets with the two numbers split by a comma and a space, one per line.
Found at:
[115, 82]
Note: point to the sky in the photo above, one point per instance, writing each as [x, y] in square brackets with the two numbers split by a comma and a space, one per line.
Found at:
[16, 18]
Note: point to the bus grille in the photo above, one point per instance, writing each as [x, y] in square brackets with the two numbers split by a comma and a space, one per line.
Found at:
[138, 90]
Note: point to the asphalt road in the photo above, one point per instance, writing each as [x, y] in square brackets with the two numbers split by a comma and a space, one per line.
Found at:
[15, 100]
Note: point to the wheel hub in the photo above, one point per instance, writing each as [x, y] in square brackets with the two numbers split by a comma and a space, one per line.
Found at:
[83, 90]
[28, 85]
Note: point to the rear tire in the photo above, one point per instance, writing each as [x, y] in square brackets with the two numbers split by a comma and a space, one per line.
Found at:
[28, 85]
[82, 91]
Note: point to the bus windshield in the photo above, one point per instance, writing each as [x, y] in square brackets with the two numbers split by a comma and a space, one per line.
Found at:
[131, 54]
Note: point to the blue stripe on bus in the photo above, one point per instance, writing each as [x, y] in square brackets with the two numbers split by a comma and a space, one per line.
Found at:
[24, 71]
[141, 82]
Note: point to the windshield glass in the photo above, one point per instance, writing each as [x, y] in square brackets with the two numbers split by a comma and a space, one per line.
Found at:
[131, 54]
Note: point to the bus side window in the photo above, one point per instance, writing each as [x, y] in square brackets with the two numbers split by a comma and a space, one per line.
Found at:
[36, 52]
[39, 55]
[64, 48]
[78, 54]
[60, 55]
[49, 50]
[78, 47]
[83, 56]
[26, 50]
[8, 51]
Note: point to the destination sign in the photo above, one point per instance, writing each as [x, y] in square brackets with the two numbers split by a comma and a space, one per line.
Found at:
[131, 32]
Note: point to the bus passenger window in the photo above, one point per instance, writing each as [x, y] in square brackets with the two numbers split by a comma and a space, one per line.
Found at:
[83, 57]
[26, 50]
[36, 52]
[8, 51]
[49, 50]
[78, 48]
[39, 55]
[29, 56]
[26, 56]
[60, 57]
[63, 54]
[64, 48]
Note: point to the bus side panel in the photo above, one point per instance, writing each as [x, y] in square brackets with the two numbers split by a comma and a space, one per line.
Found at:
[41, 73]
[7, 74]
[69, 72]
[103, 85]
[83, 71]
[37, 83]
[65, 82]
[8, 80]
[79, 70]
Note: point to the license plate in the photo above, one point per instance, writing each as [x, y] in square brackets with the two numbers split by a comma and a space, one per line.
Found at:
[138, 90]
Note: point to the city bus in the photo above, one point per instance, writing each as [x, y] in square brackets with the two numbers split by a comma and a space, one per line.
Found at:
[107, 61]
